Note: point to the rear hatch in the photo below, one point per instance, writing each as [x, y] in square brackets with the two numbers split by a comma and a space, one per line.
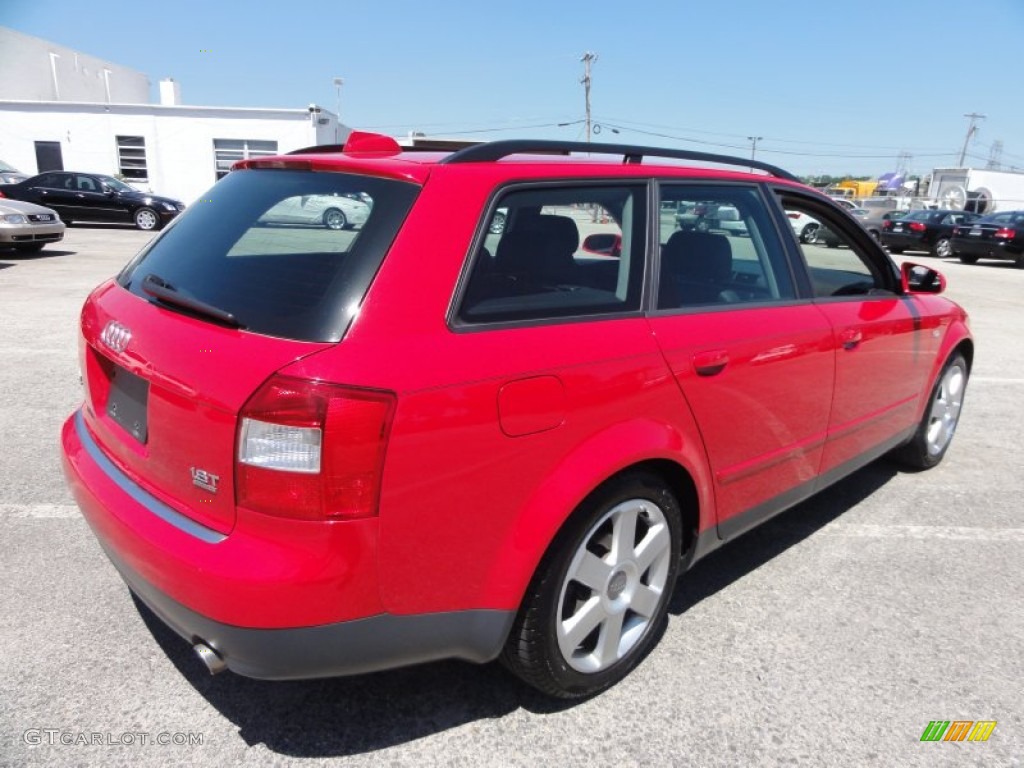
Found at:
[256, 277]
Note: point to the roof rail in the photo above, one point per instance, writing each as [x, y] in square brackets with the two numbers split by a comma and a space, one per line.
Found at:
[496, 150]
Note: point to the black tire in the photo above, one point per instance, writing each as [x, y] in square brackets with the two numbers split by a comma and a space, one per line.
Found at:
[941, 415]
[334, 219]
[1019, 261]
[942, 248]
[809, 233]
[146, 219]
[534, 652]
[965, 259]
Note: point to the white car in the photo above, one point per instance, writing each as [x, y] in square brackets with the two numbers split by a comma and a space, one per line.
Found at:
[331, 211]
[27, 226]
[804, 226]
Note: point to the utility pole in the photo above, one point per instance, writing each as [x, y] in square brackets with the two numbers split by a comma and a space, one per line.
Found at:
[753, 148]
[588, 59]
[971, 130]
[338, 82]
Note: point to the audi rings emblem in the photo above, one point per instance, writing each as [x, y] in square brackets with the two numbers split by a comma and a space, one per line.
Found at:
[116, 336]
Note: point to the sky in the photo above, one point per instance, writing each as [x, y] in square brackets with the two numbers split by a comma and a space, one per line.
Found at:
[828, 87]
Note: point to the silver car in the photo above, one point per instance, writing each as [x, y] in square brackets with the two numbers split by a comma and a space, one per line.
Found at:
[27, 226]
[331, 211]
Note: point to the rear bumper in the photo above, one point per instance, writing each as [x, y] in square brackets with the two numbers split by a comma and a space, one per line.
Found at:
[346, 648]
[907, 242]
[277, 599]
[983, 249]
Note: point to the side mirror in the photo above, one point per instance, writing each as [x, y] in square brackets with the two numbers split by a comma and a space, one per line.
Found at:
[920, 279]
[604, 244]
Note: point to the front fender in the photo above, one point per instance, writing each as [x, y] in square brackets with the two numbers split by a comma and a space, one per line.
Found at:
[957, 336]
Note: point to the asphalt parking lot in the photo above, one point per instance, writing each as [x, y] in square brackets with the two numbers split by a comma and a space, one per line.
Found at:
[832, 635]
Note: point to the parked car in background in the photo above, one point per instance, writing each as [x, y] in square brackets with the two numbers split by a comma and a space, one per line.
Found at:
[872, 220]
[331, 211]
[997, 236]
[926, 230]
[10, 175]
[425, 440]
[844, 202]
[805, 227]
[92, 197]
[28, 227]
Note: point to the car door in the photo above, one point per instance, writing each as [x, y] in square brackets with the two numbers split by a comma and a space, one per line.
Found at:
[754, 363]
[883, 340]
[97, 202]
[54, 191]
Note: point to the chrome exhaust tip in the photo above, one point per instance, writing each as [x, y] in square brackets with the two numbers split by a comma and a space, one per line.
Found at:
[214, 663]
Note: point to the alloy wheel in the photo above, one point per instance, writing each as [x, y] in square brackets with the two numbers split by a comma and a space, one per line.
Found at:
[613, 586]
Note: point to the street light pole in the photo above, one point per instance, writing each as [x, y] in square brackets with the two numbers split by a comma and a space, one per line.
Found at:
[338, 82]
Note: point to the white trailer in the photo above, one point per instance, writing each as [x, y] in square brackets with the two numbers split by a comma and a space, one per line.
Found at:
[972, 189]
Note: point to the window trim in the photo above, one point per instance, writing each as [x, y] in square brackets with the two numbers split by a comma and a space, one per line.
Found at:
[457, 325]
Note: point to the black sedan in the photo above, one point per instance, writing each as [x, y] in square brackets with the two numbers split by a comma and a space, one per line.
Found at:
[924, 231]
[996, 236]
[92, 197]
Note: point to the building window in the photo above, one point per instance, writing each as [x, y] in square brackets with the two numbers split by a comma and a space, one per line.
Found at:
[229, 151]
[131, 158]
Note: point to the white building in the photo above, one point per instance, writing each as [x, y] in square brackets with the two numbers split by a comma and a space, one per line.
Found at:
[60, 109]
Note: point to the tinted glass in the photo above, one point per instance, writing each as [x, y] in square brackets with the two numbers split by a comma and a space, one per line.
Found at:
[559, 252]
[718, 246]
[269, 247]
[836, 263]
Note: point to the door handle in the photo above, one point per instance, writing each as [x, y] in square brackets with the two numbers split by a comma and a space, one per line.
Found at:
[710, 363]
[850, 338]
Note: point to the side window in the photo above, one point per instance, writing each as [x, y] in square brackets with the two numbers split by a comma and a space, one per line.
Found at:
[559, 252]
[718, 246]
[837, 264]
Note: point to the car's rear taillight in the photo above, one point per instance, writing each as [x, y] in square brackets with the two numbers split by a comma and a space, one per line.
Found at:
[887, 224]
[311, 450]
[2, 194]
[1005, 233]
[917, 226]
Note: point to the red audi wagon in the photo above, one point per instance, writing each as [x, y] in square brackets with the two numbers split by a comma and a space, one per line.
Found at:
[316, 451]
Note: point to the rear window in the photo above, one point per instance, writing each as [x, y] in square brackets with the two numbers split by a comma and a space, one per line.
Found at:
[288, 253]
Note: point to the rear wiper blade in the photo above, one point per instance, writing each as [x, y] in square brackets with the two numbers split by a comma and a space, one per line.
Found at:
[159, 288]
